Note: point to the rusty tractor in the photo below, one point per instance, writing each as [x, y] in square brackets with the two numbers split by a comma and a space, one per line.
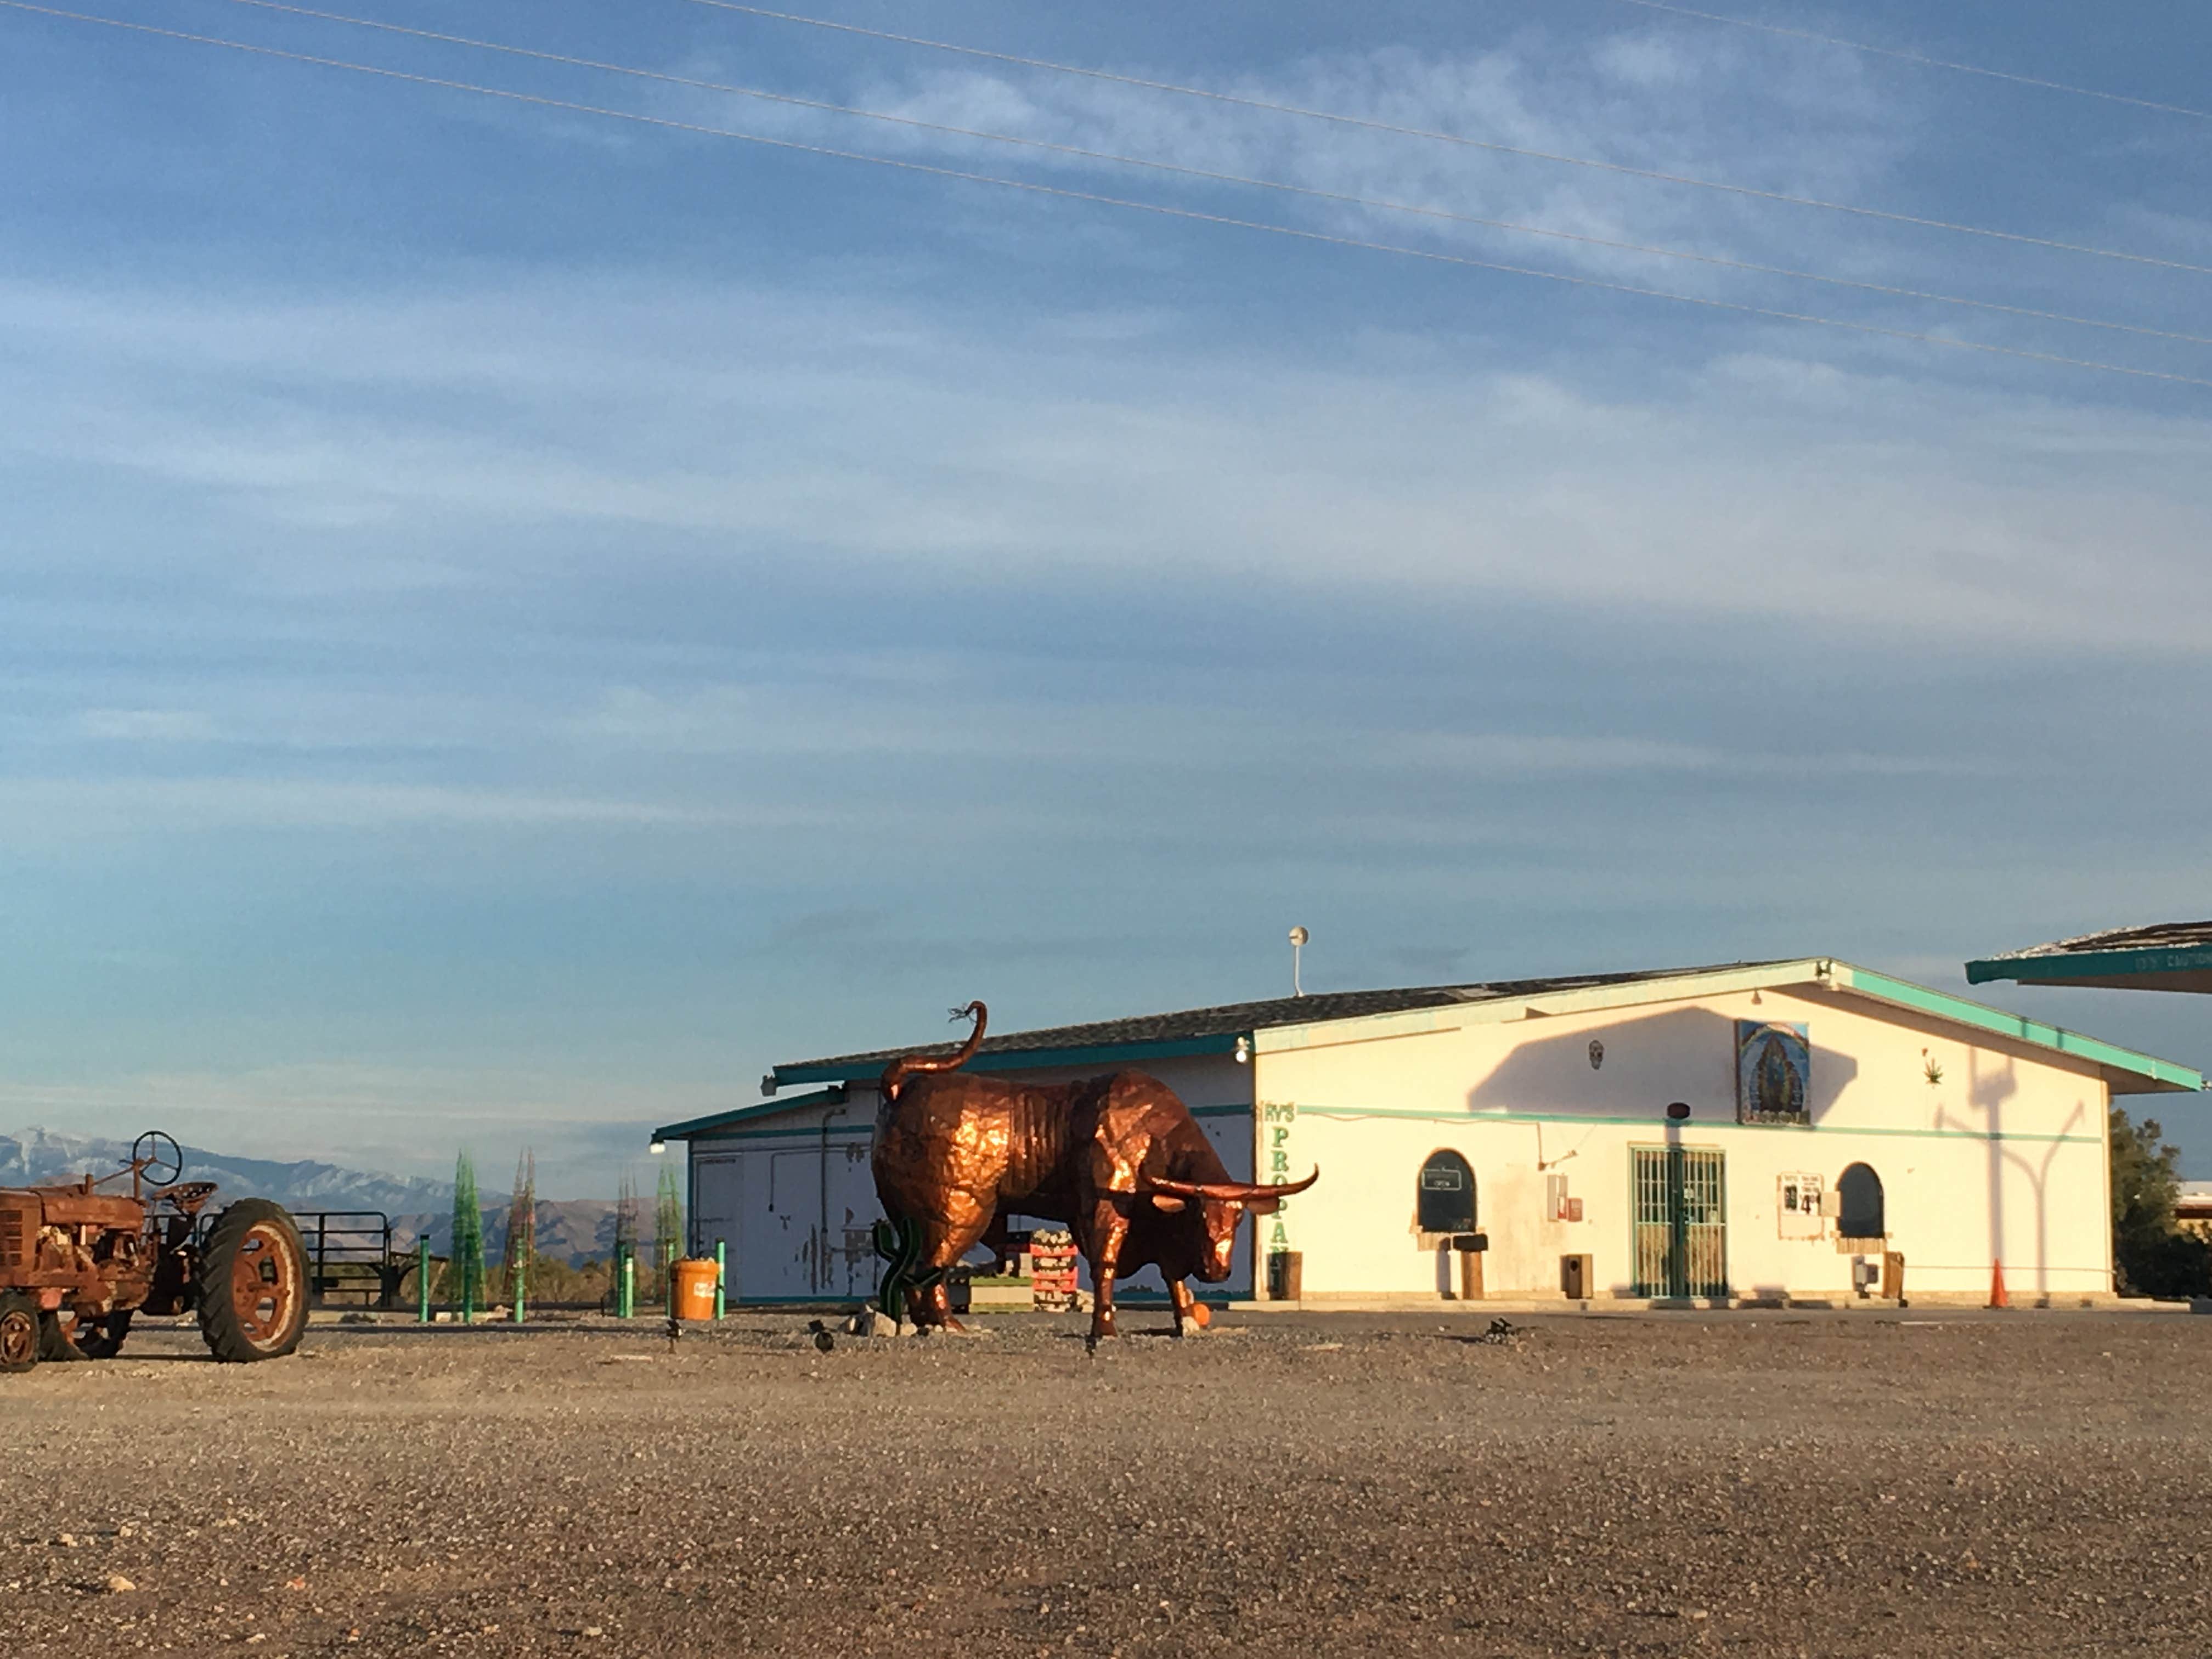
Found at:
[77, 1262]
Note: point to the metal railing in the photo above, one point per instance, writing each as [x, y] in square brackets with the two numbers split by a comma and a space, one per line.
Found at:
[350, 1255]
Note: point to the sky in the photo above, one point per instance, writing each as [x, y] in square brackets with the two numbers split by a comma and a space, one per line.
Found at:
[513, 620]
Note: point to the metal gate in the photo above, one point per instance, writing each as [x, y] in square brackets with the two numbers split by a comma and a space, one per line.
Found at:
[1680, 1197]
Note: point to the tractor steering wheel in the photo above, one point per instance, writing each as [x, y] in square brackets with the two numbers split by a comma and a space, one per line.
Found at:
[159, 1157]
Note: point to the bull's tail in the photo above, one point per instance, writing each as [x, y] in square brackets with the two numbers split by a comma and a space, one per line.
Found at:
[907, 1065]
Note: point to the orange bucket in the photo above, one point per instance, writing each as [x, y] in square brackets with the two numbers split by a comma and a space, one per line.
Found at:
[695, 1289]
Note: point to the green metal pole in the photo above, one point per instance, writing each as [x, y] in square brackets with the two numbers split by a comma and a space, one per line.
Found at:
[721, 1279]
[422, 1278]
[626, 1294]
[668, 1279]
[522, 1285]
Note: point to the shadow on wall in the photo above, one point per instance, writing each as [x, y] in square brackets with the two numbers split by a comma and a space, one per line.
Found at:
[1685, 1053]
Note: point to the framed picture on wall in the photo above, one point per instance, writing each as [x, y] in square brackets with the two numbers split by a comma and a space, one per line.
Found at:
[1773, 1073]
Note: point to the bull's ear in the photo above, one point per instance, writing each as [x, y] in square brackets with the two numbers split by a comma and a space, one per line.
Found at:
[1166, 1201]
[1263, 1206]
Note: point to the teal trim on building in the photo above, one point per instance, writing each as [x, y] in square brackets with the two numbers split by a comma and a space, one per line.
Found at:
[2161, 1074]
[2091, 964]
[1029, 1060]
[717, 1122]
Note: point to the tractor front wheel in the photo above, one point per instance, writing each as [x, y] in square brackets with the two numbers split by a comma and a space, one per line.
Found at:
[253, 1283]
[18, 1332]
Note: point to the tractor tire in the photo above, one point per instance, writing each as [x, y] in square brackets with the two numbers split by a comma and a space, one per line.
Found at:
[20, 1332]
[253, 1283]
[102, 1339]
[54, 1345]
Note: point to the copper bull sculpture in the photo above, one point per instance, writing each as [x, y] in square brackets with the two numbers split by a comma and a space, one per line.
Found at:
[1118, 1158]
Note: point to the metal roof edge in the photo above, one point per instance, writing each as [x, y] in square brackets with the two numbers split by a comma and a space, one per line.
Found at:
[2163, 1076]
[1501, 1010]
[2072, 965]
[1028, 1060]
[714, 1121]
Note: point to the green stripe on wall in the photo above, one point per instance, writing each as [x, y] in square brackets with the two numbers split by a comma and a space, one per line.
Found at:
[1699, 1126]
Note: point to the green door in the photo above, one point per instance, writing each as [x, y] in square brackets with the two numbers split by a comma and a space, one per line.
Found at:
[1680, 1200]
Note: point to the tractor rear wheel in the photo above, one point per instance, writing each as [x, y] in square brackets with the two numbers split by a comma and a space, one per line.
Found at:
[18, 1332]
[253, 1283]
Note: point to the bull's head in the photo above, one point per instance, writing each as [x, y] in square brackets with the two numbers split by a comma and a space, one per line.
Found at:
[1221, 1205]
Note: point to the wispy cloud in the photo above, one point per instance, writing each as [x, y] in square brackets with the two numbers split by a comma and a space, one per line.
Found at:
[1756, 483]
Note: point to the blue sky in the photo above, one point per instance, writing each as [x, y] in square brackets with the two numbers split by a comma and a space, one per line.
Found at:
[512, 620]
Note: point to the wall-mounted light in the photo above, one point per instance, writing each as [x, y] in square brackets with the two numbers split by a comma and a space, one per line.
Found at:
[767, 1085]
[659, 1146]
[1244, 1051]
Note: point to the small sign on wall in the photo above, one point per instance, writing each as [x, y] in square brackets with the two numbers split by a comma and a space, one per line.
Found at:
[1798, 1205]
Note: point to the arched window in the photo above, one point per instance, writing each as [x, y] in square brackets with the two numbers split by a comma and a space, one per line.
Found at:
[1858, 1203]
[1445, 1202]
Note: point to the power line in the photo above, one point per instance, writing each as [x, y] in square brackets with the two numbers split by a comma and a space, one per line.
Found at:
[1361, 121]
[1063, 192]
[1213, 177]
[1930, 63]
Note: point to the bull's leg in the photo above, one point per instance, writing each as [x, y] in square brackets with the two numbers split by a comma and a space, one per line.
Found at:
[1188, 1315]
[943, 1244]
[1109, 1226]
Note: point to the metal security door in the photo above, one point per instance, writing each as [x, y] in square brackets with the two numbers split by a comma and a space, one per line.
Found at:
[1679, 1201]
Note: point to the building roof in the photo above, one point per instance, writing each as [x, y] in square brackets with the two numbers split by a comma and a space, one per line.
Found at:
[1214, 1030]
[1284, 1022]
[2167, 955]
[1292, 1022]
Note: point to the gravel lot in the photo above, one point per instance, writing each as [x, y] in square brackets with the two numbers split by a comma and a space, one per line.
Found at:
[1818, 1484]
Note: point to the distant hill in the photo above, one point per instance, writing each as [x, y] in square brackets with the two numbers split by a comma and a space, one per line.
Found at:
[571, 1229]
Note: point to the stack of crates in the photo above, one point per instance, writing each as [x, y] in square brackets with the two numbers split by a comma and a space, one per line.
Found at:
[1051, 1272]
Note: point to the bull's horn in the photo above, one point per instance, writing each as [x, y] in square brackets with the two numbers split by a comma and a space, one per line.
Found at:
[1230, 1191]
[907, 1064]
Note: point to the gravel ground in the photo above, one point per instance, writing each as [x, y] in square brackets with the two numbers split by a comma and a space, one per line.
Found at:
[1814, 1483]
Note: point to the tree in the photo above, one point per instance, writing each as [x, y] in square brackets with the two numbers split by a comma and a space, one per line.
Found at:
[2153, 1255]
[468, 1257]
[520, 1256]
[667, 1224]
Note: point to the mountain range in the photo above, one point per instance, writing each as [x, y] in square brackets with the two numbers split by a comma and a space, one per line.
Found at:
[571, 1230]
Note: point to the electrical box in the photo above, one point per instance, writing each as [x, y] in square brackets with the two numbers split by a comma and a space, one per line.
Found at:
[1558, 1205]
[1800, 1205]
[1576, 1279]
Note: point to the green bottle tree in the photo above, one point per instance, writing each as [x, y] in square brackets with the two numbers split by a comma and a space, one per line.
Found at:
[468, 1262]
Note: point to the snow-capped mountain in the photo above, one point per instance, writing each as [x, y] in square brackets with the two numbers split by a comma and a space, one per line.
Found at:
[574, 1230]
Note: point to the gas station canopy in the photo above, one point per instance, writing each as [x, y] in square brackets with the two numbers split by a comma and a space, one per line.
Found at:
[2171, 956]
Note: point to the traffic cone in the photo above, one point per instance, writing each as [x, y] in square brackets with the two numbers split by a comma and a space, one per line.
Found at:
[1997, 1297]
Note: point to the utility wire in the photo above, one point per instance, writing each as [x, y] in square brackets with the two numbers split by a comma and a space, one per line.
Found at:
[1213, 177]
[1930, 63]
[1341, 120]
[1063, 192]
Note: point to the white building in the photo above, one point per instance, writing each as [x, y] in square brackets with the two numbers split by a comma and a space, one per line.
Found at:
[1753, 1130]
